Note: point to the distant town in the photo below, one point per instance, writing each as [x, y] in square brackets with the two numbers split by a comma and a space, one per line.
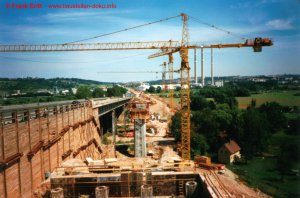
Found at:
[45, 90]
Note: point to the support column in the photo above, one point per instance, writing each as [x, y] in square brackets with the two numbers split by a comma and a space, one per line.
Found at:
[113, 125]
[101, 134]
[124, 111]
[3, 153]
[195, 66]
[212, 68]
[202, 67]
[140, 138]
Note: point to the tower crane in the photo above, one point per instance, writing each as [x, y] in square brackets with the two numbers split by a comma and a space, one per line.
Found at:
[166, 47]
[171, 91]
[163, 79]
[185, 76]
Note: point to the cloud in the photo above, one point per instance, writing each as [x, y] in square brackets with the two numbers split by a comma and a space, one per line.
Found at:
[62, 27]
[62, 17]
[58, 33]
[280, 24]
[252, 4]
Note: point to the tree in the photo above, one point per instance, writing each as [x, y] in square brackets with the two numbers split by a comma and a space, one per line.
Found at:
[256, 132]
[98, 93]
[289, 154]
[83, 92]
[199, 144]
[235, 130]
[158, 89]
[274, 113]
[222, 115]
[198, 102]
[220, 97]
[294, 126]
[176, 126]
[253, 103]
[151, 89]
[204, 123]
[116, 91]
[232, 102]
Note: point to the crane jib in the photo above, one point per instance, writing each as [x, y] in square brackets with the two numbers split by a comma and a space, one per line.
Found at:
[90, 46]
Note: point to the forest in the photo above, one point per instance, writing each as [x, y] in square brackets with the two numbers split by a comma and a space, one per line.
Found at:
[217, 120]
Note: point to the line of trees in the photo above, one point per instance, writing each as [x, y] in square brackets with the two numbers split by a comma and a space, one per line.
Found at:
[154, 90]
[31, 84]
[82, 93]
[86, 92]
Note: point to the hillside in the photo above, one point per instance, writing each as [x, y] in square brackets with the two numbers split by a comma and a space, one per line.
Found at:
[11, 85]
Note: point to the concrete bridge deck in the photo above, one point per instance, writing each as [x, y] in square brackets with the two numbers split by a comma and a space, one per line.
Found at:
[96, 102]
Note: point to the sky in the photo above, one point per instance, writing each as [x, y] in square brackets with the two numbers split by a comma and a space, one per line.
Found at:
[275, 19]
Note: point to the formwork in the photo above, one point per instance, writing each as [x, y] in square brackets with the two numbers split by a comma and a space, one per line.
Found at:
[33, 142]
[128, 184]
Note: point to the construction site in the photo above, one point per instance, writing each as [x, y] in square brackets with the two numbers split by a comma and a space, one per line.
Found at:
[63, 150]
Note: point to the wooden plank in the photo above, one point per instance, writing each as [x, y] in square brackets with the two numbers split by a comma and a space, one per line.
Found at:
[46, 161]
[1, 138]
[53, 161]
[52, 126]
[65, 119]
[2, 192]
[44, 128]
[34, 130]
[36, 170]
[24, 138]
[25, 177]
[59, 123]
[66, 142]
[60, 150]
[12, 181]
[29, 148]
[10, 140]
[18, 150]
[77, 115]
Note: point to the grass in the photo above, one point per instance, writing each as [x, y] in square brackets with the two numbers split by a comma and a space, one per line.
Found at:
[261, 173]
[285, 98]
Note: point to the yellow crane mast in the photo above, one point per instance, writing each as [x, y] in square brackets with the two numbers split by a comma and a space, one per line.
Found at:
[185, 91]
[171, 90]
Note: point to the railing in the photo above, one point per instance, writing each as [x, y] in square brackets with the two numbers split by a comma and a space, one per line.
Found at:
[26, 112]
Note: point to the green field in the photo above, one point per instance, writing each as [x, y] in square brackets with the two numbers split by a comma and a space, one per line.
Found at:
[261, 173]
[285, 98]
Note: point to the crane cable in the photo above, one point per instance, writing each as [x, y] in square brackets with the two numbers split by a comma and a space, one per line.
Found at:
[73, 62]
[127, 72]
[218, 28]
[123, 30]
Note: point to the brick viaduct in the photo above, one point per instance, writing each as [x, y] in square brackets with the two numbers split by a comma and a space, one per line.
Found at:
[34, 140]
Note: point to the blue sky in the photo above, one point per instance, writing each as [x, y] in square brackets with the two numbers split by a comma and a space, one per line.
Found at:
[276, 19]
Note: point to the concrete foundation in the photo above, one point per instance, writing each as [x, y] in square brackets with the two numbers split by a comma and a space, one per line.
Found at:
[165, 184]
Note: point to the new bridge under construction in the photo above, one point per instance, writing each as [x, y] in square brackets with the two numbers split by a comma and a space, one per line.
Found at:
[58, 150]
